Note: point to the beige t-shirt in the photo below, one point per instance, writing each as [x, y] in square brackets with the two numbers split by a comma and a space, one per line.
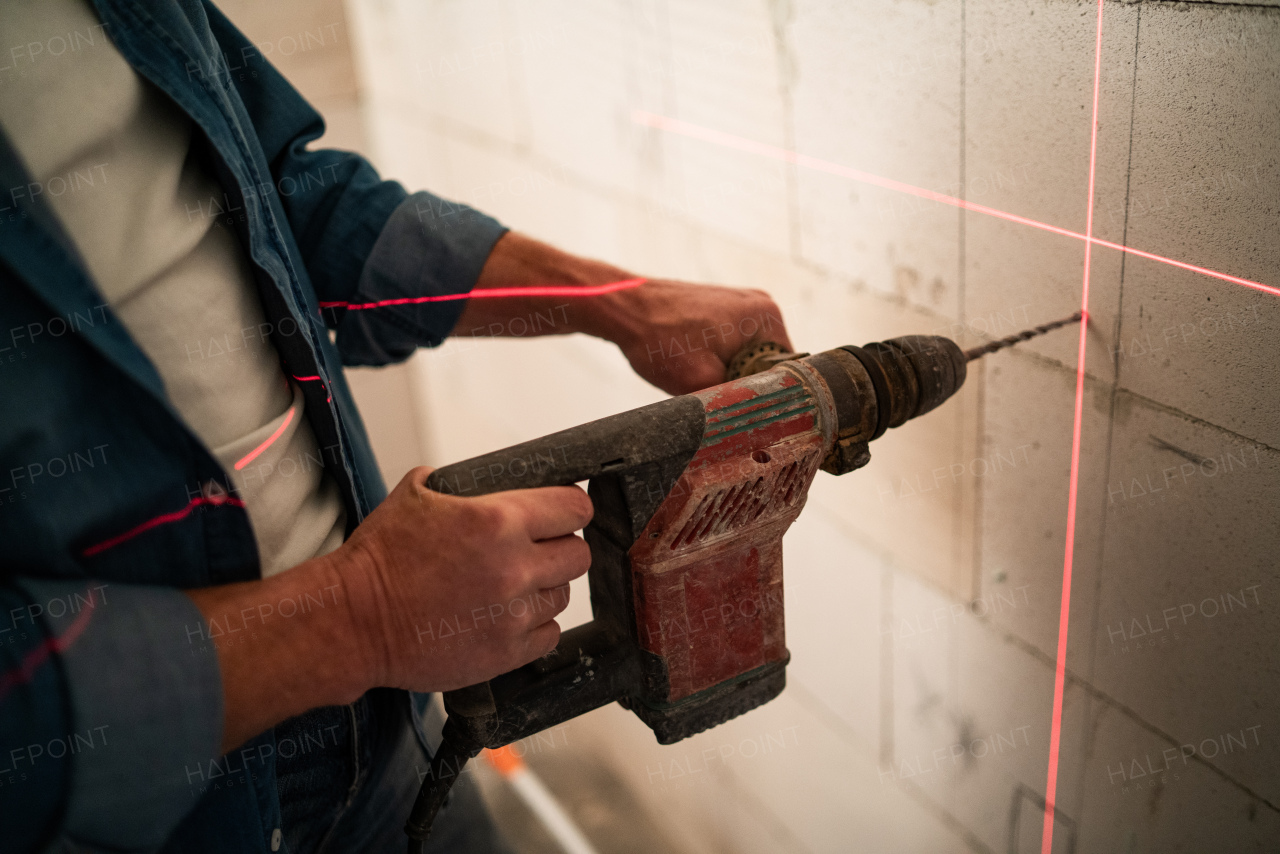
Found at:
[111, 154]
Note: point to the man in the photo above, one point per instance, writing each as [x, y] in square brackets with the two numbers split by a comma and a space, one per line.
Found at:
[211, 608]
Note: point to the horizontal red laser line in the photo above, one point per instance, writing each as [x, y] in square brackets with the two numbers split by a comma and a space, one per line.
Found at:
[162, 519]
[315, 379]
[497, 293]
[253, 455]
[750, 146]
[35, 659]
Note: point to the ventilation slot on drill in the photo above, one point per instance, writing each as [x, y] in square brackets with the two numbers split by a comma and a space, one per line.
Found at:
[740, 505]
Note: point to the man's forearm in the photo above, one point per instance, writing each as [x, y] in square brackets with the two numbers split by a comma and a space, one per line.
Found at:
[284, 646]
[518, 261]
[678, 336]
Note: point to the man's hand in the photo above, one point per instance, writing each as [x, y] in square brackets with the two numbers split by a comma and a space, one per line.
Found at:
[684, 335]
[678, 336]
[446, 591]
[432, 592]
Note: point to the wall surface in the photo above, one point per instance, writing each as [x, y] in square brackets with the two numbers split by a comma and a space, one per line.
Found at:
[923, 592]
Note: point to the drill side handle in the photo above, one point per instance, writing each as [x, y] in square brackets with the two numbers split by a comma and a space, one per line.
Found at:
[588, 669]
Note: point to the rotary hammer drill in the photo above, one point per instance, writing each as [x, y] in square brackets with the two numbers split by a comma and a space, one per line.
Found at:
[692, 496]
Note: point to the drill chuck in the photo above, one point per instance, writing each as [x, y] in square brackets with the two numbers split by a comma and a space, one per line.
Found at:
[881, 385]
[916, 373]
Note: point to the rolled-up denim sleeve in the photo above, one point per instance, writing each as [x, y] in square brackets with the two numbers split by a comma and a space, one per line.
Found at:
[107, 708]
[429, 251]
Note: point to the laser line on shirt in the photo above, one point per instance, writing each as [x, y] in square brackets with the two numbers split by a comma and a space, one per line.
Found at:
[162, 519]
[253, 455]
[35, 659]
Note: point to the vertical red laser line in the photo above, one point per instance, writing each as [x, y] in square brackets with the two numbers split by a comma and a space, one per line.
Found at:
[1068, 556]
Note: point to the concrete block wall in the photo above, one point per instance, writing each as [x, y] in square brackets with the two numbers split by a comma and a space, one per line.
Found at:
[923, 591]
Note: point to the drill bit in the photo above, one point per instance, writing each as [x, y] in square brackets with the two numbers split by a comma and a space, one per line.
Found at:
[979, 352]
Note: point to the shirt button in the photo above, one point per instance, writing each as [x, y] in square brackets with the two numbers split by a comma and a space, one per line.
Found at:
[276, 838]
[213, 492]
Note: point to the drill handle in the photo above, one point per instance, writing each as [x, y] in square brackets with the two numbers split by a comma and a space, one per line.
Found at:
[616, 444]
[632, 460]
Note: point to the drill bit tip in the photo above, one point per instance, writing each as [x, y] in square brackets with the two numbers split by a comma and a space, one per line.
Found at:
[991, 347]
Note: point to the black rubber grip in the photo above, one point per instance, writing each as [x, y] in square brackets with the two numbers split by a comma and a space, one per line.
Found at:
[884, 405]
[844, 393]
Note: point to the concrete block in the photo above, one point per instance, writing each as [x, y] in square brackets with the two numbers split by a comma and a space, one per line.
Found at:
[1003, 720]
[454, 61]
[721, 71]
[920, 638]
[1186, 615]
[710, 64]
[1027, 150]
[781, 778]
[971, 724]
[583, 70]
[407, 146]
[487, 394]
[836, 598]
[852, 807]
[1142, 792]
[1206, 173]
[634, 236]
[421, 153]
[387, 402]
[879, 94]
[1027, 423]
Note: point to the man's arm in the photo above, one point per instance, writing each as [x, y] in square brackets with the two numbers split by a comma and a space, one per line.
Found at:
[107, 706]
[365, 242]
[489, 573]
[422, 558]
[678, 336]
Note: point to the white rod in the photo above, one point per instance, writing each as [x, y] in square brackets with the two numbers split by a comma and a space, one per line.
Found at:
[548, 810]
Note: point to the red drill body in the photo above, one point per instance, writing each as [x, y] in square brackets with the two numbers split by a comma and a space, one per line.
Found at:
[692, 496]
[707, 569]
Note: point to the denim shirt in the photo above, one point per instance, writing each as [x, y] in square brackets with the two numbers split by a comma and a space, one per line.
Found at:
[110, 506]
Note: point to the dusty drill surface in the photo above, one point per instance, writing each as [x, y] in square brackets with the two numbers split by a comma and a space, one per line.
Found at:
[692, 496]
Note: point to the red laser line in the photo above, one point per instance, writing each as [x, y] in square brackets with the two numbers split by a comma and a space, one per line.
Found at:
[162, 519]
[253, 455]
[729, 140]
[492, 293]
[1248, 283]
[1068, 557]
[315, 379]
[35, 659]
